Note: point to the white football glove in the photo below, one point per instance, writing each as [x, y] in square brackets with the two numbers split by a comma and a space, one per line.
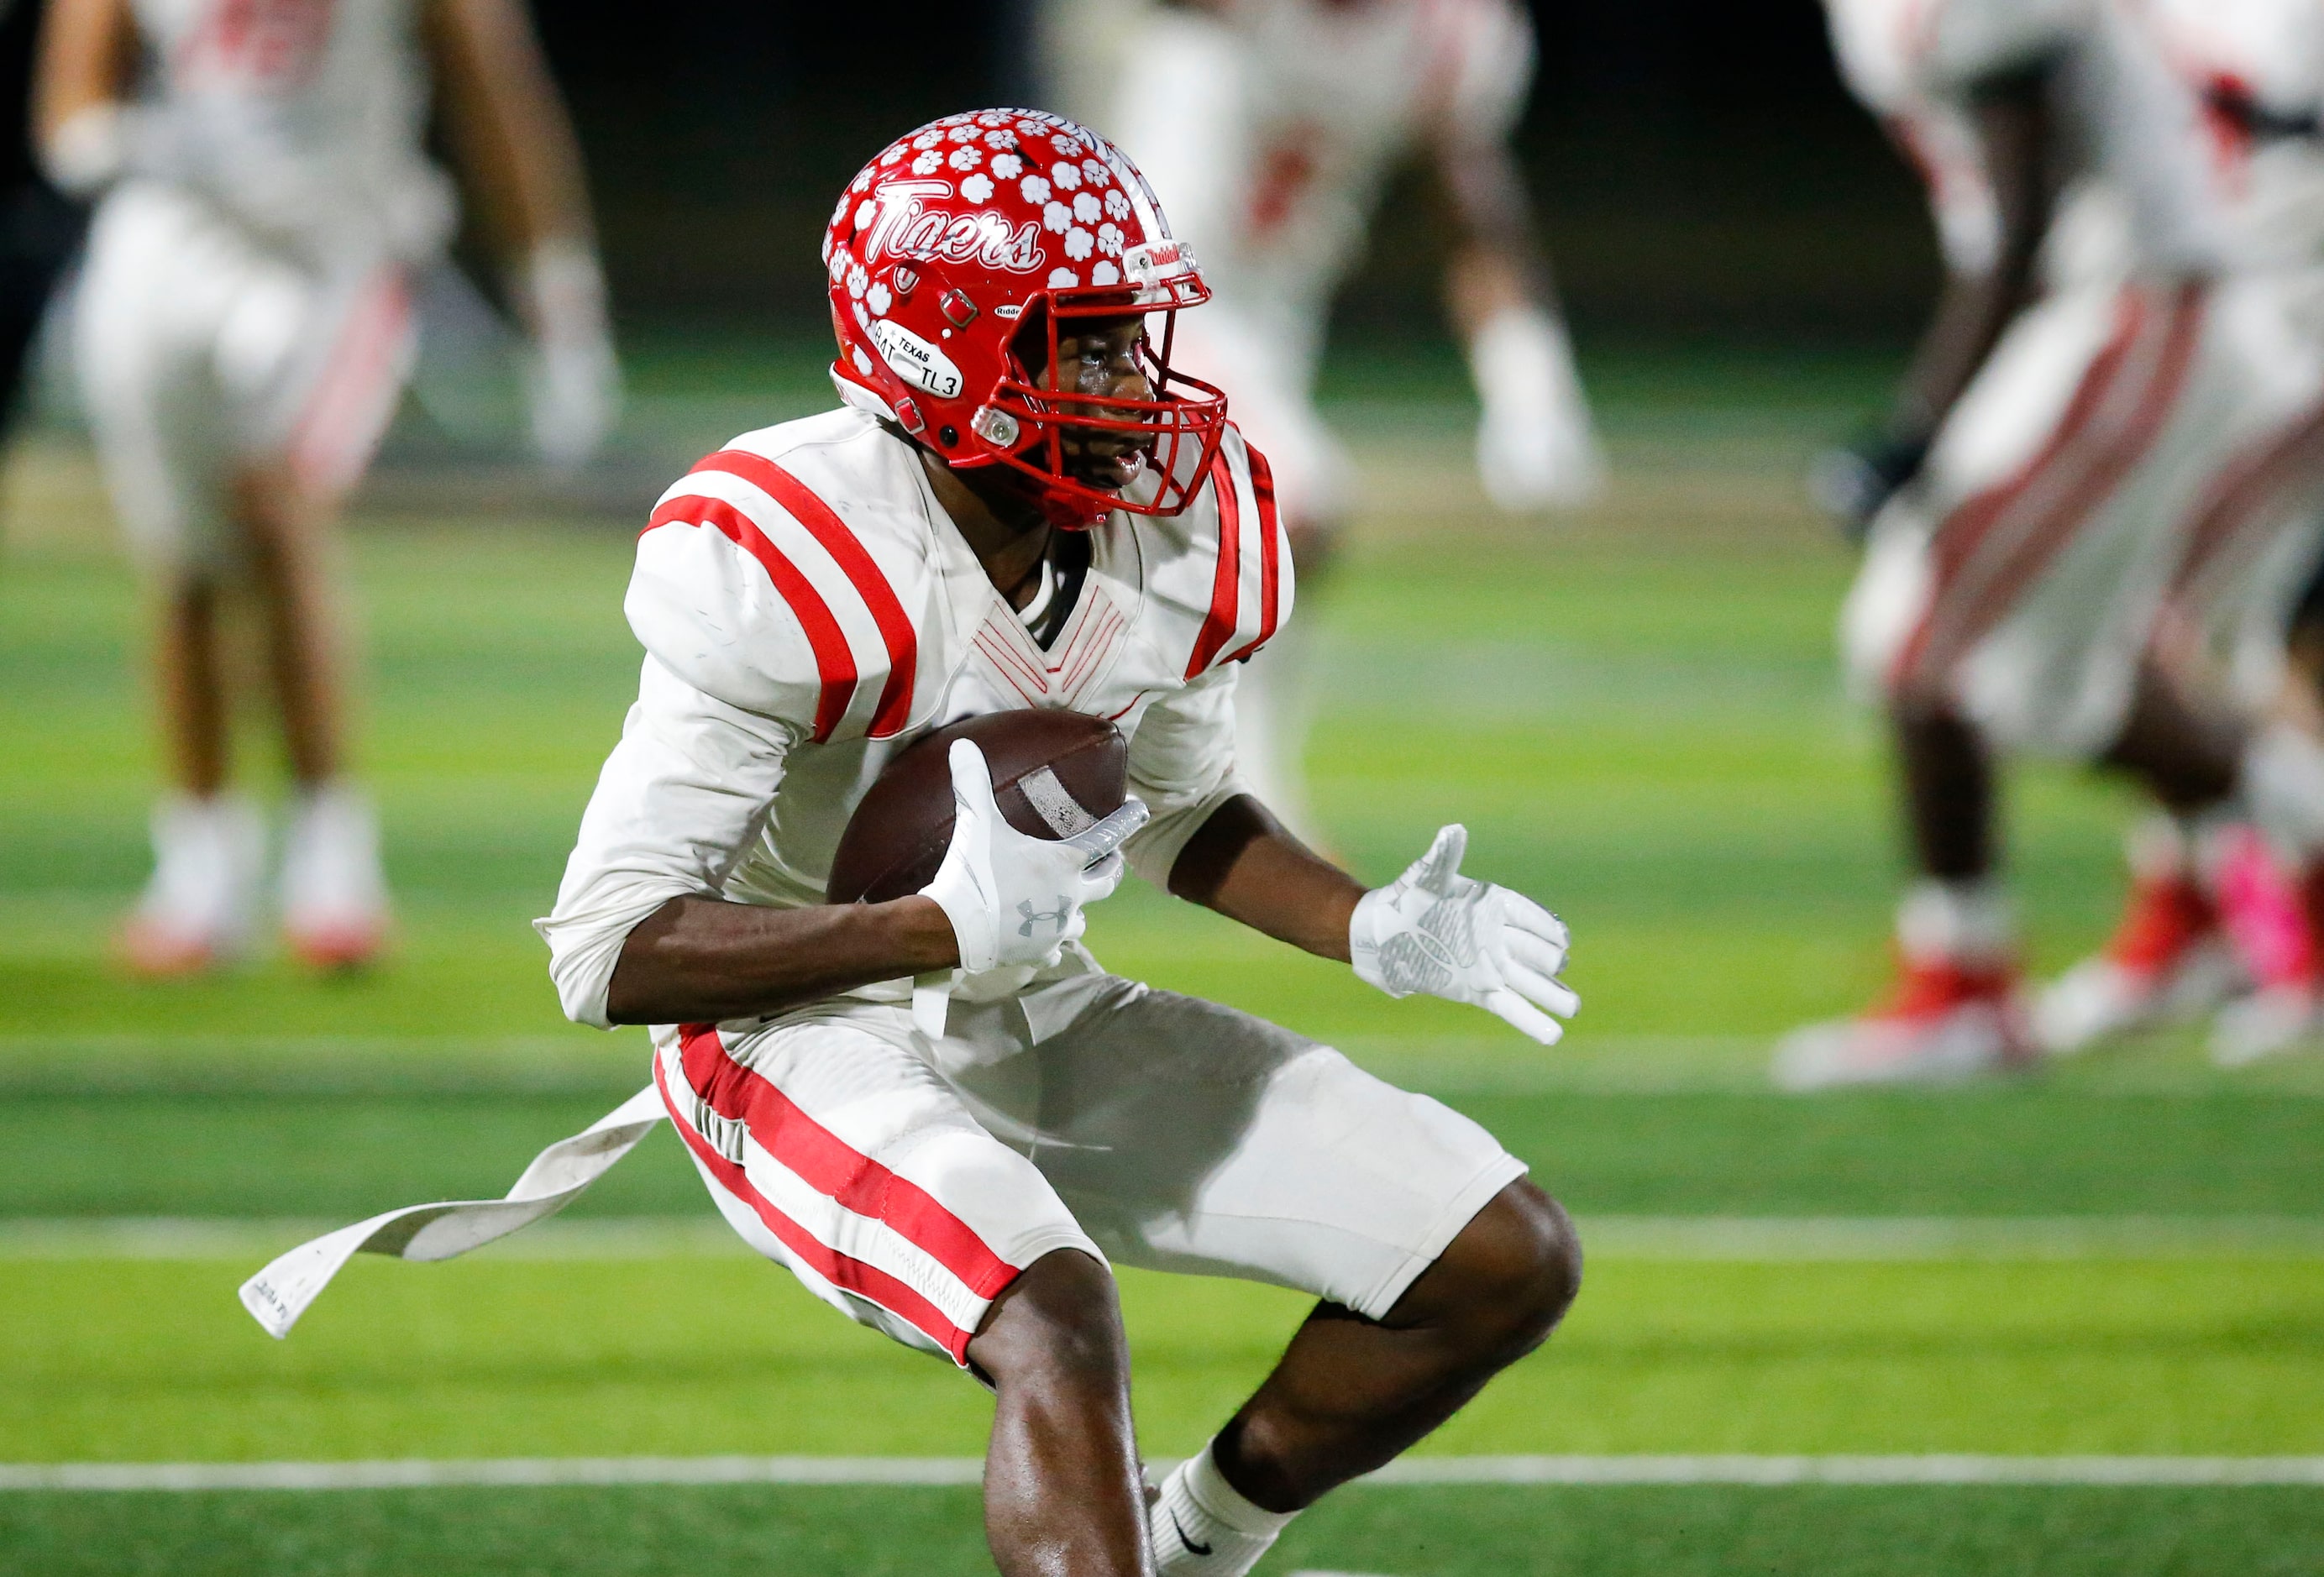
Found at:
[572, 378]
[1536, 447]
[1435, 930]
[1014, 900]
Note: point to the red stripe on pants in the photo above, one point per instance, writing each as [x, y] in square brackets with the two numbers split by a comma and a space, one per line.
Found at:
[830, 1165]
[868, 1282]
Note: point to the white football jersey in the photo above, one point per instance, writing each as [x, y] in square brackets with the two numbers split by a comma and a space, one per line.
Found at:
[2142, 170]
[2268, 54]
[1269, 131]
[807, 610]
[301, 119]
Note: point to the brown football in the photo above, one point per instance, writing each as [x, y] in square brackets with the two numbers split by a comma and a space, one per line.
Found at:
[1054, 774]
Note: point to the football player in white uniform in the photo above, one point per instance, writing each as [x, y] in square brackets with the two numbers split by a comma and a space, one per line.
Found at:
[2199, 882]
[1024, 503]
[1271, 128]
[2050, 471]
[245, 332]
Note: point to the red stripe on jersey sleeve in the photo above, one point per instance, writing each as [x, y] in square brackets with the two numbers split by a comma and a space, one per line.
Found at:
[834, 661]
[825, 526]
[829, 1165]
[1226, 578]
[1271, 571]
[868, 1282]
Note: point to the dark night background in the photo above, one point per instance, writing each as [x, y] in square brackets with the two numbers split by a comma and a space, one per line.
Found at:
[1700, 172]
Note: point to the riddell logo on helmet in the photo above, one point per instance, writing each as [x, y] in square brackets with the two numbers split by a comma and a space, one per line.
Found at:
[906, 227]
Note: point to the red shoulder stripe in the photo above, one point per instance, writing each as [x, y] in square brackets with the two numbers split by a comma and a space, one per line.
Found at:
[834, 662]
[1263, 487]
[1226, 578]
[895, 628]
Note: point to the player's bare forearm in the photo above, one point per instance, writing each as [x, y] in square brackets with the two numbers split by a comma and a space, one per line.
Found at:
[1245, 865]
[2014, 128]
[701, 960]
[508, 123]
[87, 50]
[1496, 261]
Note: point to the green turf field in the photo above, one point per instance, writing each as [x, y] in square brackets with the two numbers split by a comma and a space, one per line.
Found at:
[1637, 716]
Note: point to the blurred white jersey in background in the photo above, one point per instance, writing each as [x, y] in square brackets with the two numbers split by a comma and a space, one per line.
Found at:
[2143, 198]
[301, 121]
[1269, 129]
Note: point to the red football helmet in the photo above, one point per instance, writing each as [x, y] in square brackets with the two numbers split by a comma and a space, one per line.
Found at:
[963, 247]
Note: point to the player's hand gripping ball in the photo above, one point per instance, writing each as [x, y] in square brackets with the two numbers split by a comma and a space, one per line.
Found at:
[1435, 930]
[1012, 823]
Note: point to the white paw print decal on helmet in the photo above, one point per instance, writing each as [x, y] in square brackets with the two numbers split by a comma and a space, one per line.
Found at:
[928, 163]
[857, 280]
[1009, 167]
[1079, 244]
[1064, 279]
[1032, 188]
[878, 298]
[1095, 170]
[976, 188]
[927, 140]
[1106, 273]
[1085, 207]
[962, 134]
[1066, 176]
[966, 158]
[1058, 217]
[1116, 205]
[865, 211]
[1000, 142]
[1109, 240]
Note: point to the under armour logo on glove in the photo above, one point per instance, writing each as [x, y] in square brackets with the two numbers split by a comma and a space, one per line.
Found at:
[991, 872]
[1056, 917]
[1435, 930]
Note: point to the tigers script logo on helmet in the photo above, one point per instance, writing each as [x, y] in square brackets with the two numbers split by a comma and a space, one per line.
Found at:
[955, 255]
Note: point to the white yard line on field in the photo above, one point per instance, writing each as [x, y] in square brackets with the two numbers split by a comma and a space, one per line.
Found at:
[529, 1473]
[1747, 1239]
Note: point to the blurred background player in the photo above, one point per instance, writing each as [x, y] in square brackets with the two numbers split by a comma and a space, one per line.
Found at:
[2091, 368]
[1270, 129]
[245, 331]
[2210, 892]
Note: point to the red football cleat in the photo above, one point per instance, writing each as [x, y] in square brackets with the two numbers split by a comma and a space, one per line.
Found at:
[2170, 958]
[1943, 1021]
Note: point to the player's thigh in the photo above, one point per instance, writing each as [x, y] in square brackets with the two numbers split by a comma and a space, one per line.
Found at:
[1190, 1137]
[152, 293]
[833, 1151]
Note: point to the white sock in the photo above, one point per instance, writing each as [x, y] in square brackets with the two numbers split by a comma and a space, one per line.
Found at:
[207, 855]
[1967, 923]
[2283, 784]
[331, 858]
[1201, 1527]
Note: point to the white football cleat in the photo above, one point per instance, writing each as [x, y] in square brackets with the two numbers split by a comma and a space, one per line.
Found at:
[335, 907]
[2168, 962]
[2270, 1021]
[1944, 1023]
[198, 910]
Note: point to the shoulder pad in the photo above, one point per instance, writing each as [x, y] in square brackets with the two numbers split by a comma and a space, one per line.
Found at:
[780, 576]
[1225, 564]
